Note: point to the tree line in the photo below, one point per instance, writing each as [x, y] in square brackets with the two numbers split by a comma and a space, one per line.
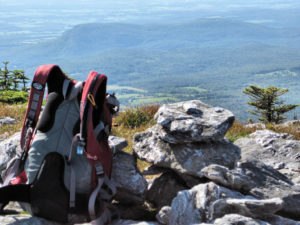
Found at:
[12, 79]
[13, 85]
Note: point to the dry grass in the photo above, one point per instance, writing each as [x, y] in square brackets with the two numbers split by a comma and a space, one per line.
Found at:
[132, 121]
[239, 130]
[135, 120]
[14, 111]
[291, 129]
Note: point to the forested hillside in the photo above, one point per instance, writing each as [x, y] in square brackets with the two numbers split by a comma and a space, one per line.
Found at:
[207, 59]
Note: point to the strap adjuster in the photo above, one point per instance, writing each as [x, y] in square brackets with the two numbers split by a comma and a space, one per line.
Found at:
[99, 169]
[29, 122]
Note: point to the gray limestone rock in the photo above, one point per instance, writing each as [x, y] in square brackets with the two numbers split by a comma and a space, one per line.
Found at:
[213, 204]
[7, 120]
[193, 121]
[187, 158]
[163, 216]
[23, 219]
[131, 185]
[164, 188]
[9, 148]
[260, 181]
[132, 222]
[234, 179]
[280, 151]
[269, 183]
[247, 207]
[117, 143]
[234, 219]
[193, 206]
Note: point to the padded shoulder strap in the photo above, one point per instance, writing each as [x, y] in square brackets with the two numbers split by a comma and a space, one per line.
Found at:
[41, 77]
[93, 112]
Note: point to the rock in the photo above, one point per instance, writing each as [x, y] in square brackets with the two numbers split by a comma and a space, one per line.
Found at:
[260, 181]
[234, 219]
[213, 204]
[163, 216]
[234, 179]
[256, 125]
[269, 183]
[7, 120]
[193, 206]
[290, 123]
[23, 219]
[187, 158]
[164, 188]
[247, 207]
[278, 220]
[117, 143]
[132, 222]
[141, 212]
[193, 121]
[280, 151]
[9, 148]
[131, 185]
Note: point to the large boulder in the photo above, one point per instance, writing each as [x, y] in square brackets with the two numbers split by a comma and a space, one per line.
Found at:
[9, 148]
[188, 158]
[260, 181]
[131, 185]
[209, 203]
[281, 151]
[164, 188]
[192, 121]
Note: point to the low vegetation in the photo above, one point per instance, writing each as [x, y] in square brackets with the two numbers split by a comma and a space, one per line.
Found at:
[134, 120]
[10, 89]
[14, 111]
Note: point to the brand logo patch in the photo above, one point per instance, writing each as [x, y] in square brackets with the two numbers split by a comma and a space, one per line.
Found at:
[37, 86]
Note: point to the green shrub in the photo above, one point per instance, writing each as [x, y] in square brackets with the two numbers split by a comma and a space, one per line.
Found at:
[136, 117]
[11, 96]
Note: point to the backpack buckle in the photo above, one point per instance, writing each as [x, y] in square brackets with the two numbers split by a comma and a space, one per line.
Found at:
[80, 147]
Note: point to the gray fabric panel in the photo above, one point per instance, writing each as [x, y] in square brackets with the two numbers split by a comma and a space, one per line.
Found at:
[59, 139]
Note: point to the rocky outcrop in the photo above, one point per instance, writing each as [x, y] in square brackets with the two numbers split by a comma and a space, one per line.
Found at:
[9, 149]
[280, 151]
[188, 158]
[255, 193]
[192, 121]
[199, 177]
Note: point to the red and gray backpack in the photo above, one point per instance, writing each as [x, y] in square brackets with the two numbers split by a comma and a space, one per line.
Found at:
[66, 162]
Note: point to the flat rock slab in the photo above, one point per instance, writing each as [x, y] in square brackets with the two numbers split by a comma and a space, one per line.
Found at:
[117, 143]
[279, 151]
[209, 204]
[260, 181]
[24, 219]
[193, 121]
[187, 158]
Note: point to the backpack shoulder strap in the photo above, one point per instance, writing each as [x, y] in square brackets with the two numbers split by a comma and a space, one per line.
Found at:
[52, 75]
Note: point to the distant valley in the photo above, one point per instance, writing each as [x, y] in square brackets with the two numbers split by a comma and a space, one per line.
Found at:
[207, 59]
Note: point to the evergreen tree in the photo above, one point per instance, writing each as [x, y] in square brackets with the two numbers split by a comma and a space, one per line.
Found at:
[20, 75]
[268, 107]
[5, 77]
